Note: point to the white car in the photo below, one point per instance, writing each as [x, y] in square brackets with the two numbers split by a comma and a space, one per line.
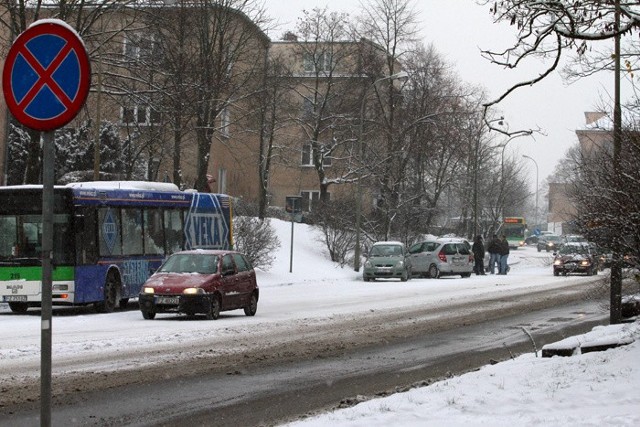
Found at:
[442, 257]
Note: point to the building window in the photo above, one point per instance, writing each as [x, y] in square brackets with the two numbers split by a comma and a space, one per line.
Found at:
[225, 121]
[307, 159]
[140, 115]
[222, 181]
[318, 62]
[139, 46]
[309, 199]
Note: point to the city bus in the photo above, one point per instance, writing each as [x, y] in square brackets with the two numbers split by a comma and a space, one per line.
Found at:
[514, 228]
[108, 237]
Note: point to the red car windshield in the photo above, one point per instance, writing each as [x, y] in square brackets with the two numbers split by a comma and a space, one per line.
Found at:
[190, 263]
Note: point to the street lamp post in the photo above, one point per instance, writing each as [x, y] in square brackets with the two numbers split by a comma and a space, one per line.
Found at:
[397, 76]
[535, 163]
[500, 202]
[500, 196]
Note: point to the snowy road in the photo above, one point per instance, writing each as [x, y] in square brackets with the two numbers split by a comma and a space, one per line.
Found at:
[313, 312]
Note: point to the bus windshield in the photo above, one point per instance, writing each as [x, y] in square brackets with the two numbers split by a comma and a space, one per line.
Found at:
[514, 229]
[21, 239]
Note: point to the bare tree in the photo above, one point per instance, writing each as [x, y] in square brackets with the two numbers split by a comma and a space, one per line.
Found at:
[85, 17]
[199, 70]
[391, 27]
[272, 108]
[330, 61]
[608, 217]
[549, 29]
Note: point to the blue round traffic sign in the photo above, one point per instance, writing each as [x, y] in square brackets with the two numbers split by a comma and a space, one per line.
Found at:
[46, 76]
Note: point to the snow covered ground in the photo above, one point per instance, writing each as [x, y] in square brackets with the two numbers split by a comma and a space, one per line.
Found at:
[599, 388]
[591, 389]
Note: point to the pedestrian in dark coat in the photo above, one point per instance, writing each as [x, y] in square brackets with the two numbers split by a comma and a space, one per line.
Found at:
[504, 255]
[478, 255]
[494, 255]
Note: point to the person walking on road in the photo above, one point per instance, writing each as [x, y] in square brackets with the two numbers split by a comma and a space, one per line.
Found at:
[503, 250]
[478, 255]
[494, 256]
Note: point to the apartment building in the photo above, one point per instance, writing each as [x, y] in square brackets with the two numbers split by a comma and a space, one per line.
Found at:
[185, 112]
[594, 137]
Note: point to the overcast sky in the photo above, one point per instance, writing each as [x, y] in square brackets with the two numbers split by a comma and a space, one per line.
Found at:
[459, 29]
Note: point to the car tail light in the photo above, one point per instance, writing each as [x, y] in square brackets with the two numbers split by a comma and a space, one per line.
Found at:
[471, 259]
[442, 256]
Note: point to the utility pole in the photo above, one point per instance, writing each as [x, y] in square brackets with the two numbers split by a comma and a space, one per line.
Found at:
[615, 311]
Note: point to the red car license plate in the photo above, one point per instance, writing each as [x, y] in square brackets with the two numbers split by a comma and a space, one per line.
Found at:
[167, 300]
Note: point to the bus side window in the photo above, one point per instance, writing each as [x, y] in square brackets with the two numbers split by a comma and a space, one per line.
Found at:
[86, 227]
[173, 234]
[153, 236]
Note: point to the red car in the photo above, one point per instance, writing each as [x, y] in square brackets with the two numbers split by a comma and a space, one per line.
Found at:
[201, 281]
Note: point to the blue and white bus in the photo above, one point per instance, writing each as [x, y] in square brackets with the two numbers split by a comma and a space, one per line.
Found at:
[108, 237]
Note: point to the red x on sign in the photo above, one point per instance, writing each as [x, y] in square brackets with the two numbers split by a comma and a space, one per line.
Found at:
[47, 75]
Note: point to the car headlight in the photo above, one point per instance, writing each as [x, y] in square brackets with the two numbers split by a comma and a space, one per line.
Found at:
[148, 290]
[193, 291]
[400, 264]
[367, 264]
[585, 262]
[557, 262]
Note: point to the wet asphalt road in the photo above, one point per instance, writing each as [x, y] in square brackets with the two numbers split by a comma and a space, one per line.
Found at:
[269, 395]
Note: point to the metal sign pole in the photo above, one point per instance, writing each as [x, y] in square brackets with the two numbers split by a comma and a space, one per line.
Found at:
[59, 63]
[47, 282]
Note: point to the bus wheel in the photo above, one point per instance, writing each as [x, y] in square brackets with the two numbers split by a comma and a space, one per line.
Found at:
[19, 307]
[111, 295]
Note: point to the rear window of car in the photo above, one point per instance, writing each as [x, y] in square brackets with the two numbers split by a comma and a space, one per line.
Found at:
[463, 249]
[450, 249]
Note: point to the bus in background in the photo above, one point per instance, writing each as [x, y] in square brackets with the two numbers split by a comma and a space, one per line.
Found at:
[108, 237]
[514, 228]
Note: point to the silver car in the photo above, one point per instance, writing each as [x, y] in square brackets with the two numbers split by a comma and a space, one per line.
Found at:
[442, 257]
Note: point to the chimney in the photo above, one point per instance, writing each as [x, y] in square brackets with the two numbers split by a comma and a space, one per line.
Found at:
[289, 37]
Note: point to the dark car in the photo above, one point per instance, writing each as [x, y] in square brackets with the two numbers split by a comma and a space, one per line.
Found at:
[201, 281]
[572, 258]
[549, 242]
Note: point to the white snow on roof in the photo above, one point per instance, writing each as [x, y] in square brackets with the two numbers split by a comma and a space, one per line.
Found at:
[126, 185]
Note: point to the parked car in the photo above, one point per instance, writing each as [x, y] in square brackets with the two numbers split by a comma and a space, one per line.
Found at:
[201, 281]
[442, 257]
[575, 258]
[549, 242]
[387, 260]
